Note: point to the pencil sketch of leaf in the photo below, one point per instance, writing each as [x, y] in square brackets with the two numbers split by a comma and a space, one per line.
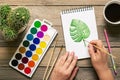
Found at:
[79, 30]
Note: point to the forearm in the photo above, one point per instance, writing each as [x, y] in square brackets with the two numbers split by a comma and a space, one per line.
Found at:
[105, 75]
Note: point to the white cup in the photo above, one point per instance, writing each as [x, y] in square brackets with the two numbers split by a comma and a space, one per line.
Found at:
[111, 12]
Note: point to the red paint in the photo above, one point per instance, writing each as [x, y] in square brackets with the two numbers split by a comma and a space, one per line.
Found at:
[27, 70]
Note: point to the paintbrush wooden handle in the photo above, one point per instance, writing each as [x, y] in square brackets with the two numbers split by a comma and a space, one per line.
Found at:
[53, 64]
[49, 62]
[104, 51]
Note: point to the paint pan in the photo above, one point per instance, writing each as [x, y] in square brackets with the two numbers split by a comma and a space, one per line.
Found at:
[33, 47]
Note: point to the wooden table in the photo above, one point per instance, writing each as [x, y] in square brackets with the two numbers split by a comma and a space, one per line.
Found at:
[50, 10]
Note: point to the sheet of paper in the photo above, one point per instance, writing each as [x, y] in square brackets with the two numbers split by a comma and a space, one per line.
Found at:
[76, 20]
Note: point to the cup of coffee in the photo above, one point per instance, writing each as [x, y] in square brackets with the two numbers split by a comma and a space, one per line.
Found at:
[111, 12]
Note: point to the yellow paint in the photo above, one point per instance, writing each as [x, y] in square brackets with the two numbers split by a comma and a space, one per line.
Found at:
[35, 57]
[42, 44]
[39, 51]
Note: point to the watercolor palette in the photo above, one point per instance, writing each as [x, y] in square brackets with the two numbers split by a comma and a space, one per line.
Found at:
[33, 47]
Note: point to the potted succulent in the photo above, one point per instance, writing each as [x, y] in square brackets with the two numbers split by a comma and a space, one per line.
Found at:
[13, 21]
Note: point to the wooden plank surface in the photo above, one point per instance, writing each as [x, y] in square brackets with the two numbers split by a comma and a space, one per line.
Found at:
[83, 74]
[54, 2]
[52, 14]
[14, 75]
[7, 53]
[50, 10]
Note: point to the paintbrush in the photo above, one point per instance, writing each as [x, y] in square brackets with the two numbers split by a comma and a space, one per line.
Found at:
[49, 62]
[54, 63]
[52, 53]
[104, 51]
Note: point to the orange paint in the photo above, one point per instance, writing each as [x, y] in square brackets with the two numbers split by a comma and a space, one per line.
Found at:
[35, 57]
[31, 63]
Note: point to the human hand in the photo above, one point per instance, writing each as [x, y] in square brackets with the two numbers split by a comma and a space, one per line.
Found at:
[99, 61]
[98, 58]
[65, 68]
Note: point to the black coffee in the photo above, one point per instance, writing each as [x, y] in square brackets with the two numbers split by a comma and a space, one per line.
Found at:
[112, 12]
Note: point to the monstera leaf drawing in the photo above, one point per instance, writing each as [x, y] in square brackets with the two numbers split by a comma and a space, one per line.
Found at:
[79, 30]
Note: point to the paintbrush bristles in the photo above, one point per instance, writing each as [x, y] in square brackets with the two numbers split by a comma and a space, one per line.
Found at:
[101, 49]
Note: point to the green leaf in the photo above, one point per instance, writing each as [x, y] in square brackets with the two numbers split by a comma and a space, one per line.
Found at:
[79, 30]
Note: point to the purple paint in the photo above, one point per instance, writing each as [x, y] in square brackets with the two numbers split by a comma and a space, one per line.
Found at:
[40, 34]
[25, 60]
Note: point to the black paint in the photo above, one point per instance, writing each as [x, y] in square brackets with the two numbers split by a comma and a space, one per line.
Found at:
[14, 62]
[18, 56]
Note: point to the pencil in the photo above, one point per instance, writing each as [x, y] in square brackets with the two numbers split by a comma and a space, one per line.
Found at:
[54, 63]
[110, 51]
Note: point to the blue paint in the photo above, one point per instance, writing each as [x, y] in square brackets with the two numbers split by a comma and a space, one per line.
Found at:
[32, 47]
[28, 54]
[29, 37]
[36, 41]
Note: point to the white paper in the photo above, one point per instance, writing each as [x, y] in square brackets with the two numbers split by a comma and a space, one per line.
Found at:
[79, 48]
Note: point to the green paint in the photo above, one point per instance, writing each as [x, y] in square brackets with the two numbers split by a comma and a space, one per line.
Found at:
[26, 43]
[79, 30]
[37, 24]
[33, 30]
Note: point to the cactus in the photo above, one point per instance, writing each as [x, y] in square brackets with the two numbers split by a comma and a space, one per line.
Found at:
[11, 21]
[18, 18]
[4, 11]
[9, 33]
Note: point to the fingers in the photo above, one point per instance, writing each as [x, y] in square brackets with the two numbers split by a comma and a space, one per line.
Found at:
[66, 60]
[69, 60]
[67, 64]
[62, 59]
[97, 43]
[91, 51]
[74, 73]
[72, 65]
